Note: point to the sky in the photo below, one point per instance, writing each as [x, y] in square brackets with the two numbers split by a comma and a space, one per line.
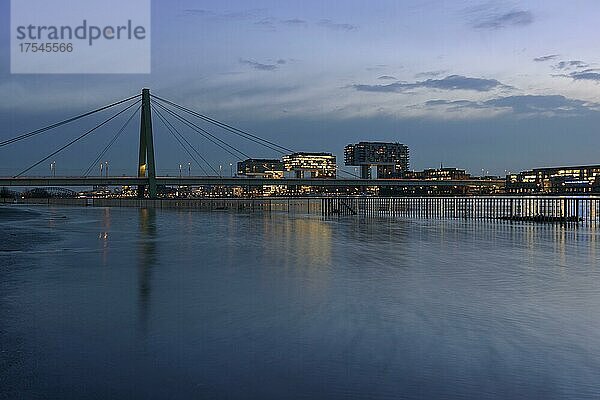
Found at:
[481, 85]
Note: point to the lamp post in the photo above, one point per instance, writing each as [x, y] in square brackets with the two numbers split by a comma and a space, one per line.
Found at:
[180, 170]
[189, 169]
[106, 167]
[231, 170]
[220, 171]
[101, 169]
[53, 168]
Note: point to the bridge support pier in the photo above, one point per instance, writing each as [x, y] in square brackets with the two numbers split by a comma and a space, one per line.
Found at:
[146, 165]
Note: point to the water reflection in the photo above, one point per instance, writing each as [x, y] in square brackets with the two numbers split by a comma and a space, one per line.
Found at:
[104, 234]
[242, 306]
[147, 257]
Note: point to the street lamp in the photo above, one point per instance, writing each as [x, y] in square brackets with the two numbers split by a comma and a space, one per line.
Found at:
[189, 169]
[231, 169]
[53, 168]
[180, 170]
[220, 171]
[106, 165]
[101, 169]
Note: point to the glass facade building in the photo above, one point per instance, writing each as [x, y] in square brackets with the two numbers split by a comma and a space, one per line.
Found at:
[311, 165]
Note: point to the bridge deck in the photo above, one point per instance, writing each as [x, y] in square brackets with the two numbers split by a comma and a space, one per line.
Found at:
[219, 181]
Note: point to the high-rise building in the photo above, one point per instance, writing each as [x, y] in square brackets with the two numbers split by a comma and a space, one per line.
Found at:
[311, 165]
[391, 159]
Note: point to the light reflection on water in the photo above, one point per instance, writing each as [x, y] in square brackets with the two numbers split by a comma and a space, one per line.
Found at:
[180, 304]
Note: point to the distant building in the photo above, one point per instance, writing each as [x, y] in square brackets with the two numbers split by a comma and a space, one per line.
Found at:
[264, 168]
[390, 158]
[438, 174]
[311, 165]
[556, 180]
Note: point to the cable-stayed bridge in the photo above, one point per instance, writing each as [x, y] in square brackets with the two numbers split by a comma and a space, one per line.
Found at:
[174, 119]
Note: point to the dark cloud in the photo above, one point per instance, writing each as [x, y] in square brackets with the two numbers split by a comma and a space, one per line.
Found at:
[454, 103]
[258, 66]
[452, 82]
[294, 22]
[495, 20]
[532, 104]
[555, 105]
[233, 15]
[546, 58]
[586, 75]
[198, 12]
[268, 23]
[571, 64]
[327, 23]
[430, 74]
[281, 61]
[387, 78]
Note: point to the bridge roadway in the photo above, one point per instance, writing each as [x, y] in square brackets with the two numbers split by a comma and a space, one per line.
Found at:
[221, 181]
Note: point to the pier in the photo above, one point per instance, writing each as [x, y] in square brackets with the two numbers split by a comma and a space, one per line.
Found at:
[584, 210]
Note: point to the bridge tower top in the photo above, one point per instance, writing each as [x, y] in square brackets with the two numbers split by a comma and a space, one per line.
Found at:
[146, 164]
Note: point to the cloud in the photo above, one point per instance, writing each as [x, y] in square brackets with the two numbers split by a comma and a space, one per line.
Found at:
[430, 74]
[571, 64]
[294, 22]
[258, 16]
[549, 105]
[545, 58]
[535, 104]
[268, 23]
[491, 18]
[452, 82]
[586, 75]
[260, 66]
[198, 12]
[387, 78]
[327, 23]
[454, 103]
[233, 15]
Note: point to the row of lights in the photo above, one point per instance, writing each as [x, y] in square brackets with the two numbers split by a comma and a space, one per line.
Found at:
[220, 170]
[104, 169]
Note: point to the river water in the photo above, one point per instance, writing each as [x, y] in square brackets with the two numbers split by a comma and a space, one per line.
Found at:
[154, 304]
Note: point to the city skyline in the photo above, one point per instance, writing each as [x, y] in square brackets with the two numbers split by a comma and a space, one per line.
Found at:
[494, 85]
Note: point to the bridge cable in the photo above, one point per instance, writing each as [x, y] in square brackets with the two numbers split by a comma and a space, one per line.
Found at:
[77, 139]
[239, 132]
[231, 129]
[55, 125]
[178, 136]
[204, 133]
[112, 141]
[349, 173]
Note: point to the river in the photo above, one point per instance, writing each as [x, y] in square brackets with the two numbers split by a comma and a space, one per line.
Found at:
[126, 303]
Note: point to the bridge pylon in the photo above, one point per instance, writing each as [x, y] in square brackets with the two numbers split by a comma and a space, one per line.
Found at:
[146, 165]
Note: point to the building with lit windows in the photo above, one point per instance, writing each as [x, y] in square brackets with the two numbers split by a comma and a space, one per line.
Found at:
[556, 180]
[391, 159]
[259, 167]
[311, 165]
[438, 174]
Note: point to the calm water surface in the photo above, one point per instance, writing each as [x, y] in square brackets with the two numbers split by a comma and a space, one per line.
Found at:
[143, 304]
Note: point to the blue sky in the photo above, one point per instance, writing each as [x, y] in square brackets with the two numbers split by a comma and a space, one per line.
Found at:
[498, 85]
